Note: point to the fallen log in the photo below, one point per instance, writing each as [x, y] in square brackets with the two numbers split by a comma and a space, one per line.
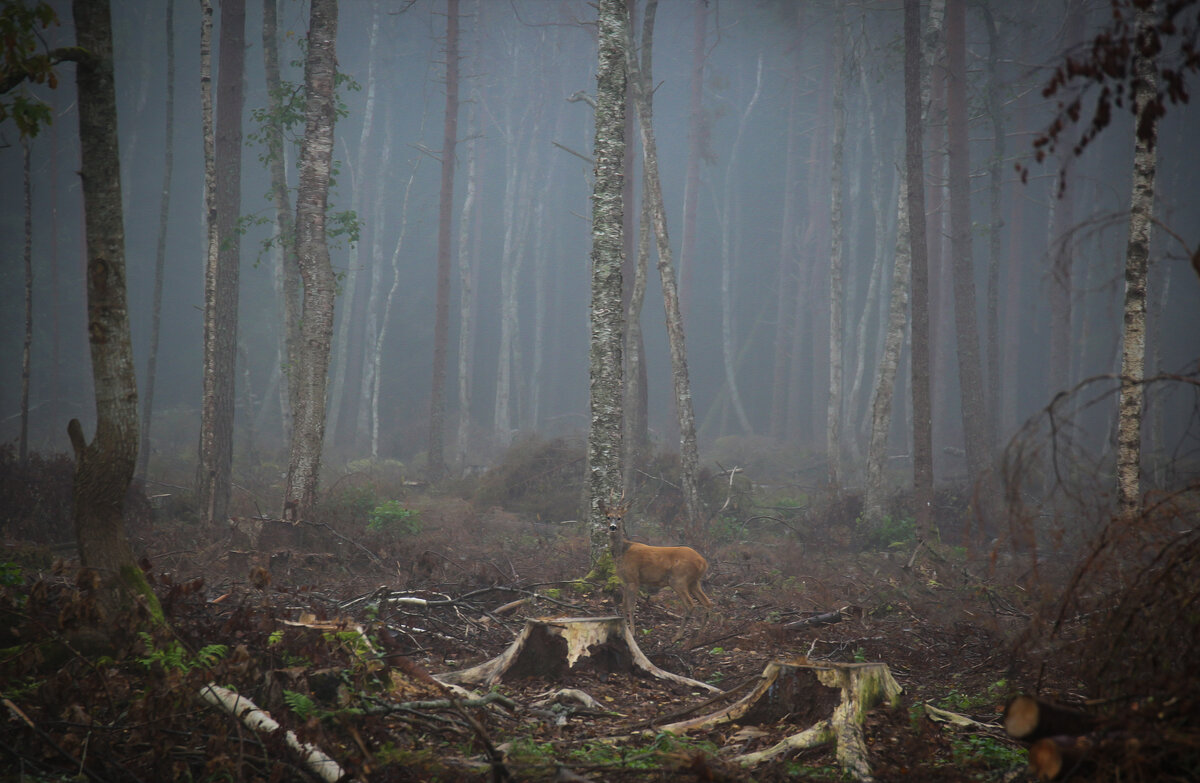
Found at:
[317, 762]
[1028, 718]
[1053, 757]
[547, 647]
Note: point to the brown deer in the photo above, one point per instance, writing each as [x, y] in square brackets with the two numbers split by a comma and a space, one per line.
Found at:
[642, 565]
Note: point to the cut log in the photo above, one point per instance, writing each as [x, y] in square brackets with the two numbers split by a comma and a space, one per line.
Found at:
[548, 647]
[831, 699]
[1053, 757]
[1028, 718]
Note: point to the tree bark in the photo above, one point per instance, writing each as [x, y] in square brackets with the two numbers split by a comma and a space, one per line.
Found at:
[605, 363]
[1137, 256]
[214, 478]
[441, 324]
[104, 467]
[316, 272]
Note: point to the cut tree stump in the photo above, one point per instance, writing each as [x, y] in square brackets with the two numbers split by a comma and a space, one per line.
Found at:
[832, 699]
[548, 647]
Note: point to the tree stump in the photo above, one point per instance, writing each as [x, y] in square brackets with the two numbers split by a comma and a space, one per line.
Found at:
[831, 698]
[548, 647]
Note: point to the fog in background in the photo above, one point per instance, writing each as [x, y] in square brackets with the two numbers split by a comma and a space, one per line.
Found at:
[521, 60]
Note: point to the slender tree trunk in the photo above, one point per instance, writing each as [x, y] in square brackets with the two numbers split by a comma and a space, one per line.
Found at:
[904, 279]
[342, 357]
[160, 252]
[287, 273]
[27, 265]
[468, 297]
[689, 455]
[441, 327]
[1137, 256]
[788, 268]
[995, 381]
[637, 259]
[104, 467]
[214, 479]
[974, 411]
[370, 329]
[727, 325]
[914, 96]
[605, 363]
[833, 441]
[697, 150]
[316, 156]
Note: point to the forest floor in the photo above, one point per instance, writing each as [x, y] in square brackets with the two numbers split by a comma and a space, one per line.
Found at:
[285, 612]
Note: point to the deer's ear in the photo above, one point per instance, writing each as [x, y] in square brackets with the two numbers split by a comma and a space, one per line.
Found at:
[603, 507]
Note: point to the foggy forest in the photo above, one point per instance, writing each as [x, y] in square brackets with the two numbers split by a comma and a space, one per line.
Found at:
[978, 341]
[743, 106]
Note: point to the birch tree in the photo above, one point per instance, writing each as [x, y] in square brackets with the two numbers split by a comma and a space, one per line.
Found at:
[605, 369]
[316, 271]
[1137, 262]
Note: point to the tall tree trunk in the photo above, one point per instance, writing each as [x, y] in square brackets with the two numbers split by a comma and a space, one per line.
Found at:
[605, 364]
[27, 266]
[833, 427]
[697, 150]
[316, 157]
[788, 270]
[914, 96]
[918, 55]
[467, 278]
[689, 455]
[974, 411]
[995, 381]
[370, 328]
[441, 324]
[160, 252]
[727, 326]
[1137, 257]
[388, 301]
[342, 359]
[637, 250]
[214, 479]
[287, 271]
[104, 467]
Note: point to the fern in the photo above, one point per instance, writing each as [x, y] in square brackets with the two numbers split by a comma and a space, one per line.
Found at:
[300, 703]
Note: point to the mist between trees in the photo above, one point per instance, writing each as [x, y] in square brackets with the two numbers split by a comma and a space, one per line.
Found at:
[747, 97]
